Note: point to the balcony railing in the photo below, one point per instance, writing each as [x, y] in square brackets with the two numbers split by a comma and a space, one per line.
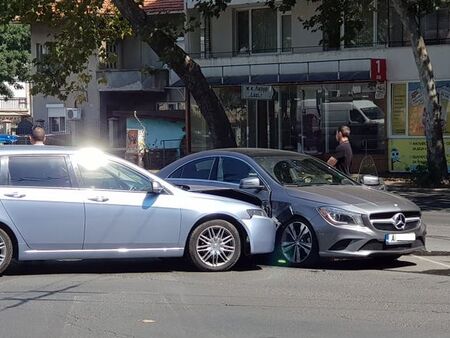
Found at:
[14, 104]
[132, 80]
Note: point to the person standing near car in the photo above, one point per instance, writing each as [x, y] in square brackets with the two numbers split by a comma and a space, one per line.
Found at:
[37, 137]
[342, 159]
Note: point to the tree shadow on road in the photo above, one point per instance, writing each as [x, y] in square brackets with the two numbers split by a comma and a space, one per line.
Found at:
[110, 266]
[429, 200]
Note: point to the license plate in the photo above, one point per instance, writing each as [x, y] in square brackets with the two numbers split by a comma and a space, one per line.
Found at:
[399, 238]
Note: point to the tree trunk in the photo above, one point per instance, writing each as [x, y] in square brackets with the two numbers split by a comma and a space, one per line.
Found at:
[186, 68]
[436, 159]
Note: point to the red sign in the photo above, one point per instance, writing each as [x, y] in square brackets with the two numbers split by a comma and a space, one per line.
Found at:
[378, 69]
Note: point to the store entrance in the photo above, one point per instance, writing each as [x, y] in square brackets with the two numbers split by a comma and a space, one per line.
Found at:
[262, 128]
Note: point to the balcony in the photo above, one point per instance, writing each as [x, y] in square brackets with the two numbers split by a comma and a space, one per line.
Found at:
[132, 80]
[14, 105]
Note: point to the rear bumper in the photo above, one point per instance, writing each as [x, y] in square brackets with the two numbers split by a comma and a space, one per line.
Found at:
[261, 234]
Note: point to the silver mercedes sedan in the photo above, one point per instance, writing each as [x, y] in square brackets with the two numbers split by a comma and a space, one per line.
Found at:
[62, 203]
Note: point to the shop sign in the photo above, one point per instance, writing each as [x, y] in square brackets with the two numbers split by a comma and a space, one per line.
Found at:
[378, 70]
[406, 154]
[254, 92]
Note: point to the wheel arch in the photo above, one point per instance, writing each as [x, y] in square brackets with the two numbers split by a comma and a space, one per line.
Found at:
[243, 234]
[13, 238]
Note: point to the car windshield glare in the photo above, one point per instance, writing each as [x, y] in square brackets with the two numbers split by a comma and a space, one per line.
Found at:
[301, 171]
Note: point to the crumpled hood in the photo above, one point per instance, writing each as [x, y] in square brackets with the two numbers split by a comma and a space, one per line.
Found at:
[363, 197]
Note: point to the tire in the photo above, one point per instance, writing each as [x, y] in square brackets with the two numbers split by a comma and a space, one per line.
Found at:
[215, 246]
[297, 244]
[6, 251]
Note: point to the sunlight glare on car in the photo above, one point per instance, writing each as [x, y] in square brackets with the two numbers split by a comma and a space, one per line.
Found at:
[90, 158]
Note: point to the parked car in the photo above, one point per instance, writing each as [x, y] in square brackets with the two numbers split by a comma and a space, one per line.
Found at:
[364, 117]
[321, 212]
[61, 203]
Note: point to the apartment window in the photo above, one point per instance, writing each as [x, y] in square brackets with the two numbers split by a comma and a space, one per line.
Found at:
[257, 31]
[286, 33]
[56, 118]
[264, 36]
[435, 28]
[243, 29]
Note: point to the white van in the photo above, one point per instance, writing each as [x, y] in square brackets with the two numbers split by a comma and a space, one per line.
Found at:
[365, 119]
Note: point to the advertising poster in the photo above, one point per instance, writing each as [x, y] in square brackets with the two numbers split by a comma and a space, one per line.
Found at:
[398, 118]
[416, 109]
[416, 120]
[406, 154]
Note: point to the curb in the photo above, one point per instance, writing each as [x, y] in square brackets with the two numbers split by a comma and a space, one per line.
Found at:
[432, 253]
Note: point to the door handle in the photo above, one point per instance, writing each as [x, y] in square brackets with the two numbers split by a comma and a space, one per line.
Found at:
[15, 195]
[98, 199]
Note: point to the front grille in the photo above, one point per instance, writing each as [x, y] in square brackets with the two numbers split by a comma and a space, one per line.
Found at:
[385, 222]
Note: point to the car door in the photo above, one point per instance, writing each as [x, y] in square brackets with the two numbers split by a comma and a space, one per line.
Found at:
[39, 195]
[120, 211]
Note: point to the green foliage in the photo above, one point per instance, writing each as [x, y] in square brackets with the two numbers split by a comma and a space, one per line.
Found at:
[422, 177]
[14, 55]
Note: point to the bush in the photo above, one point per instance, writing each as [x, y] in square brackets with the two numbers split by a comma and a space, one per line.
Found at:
[421, 177]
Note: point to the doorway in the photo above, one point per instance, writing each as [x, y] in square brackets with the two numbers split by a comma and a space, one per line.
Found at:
[262, 128]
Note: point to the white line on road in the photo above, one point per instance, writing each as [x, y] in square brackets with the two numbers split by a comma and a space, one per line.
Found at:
[432, 261]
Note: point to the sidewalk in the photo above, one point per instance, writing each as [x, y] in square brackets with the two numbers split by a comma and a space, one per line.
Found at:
[435, 205]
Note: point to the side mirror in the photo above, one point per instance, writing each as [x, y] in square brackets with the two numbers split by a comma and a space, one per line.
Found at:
[370, 180]
[156, 188]
[251, 183]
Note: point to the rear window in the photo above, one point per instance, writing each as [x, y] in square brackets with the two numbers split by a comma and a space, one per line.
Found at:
[42, 171]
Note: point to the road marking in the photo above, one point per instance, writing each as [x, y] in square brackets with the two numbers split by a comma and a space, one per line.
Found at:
[432, 261]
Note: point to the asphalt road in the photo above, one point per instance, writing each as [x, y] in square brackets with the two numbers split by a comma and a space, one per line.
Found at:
[435, 205]
[408, 298]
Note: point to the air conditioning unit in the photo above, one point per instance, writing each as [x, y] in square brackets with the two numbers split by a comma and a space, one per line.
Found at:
[73, 113]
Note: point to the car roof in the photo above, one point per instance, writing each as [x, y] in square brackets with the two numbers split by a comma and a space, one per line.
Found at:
[30, 149]
[251, 152]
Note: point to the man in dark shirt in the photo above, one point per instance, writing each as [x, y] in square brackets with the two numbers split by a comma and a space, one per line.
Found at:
[342, 159]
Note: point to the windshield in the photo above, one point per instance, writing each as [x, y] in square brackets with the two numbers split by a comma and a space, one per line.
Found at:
[373, 113]
[301, 171]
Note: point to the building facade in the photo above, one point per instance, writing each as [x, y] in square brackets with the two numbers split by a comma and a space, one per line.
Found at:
[126, 106]
[283, 88]
[13, 110]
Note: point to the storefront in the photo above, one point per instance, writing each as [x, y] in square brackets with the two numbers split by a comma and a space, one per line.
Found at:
[407, 143]
[303, 118]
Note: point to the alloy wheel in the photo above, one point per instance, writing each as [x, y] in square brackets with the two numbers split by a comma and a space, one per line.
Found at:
[2, 250]
[296, 242]
[215, 246]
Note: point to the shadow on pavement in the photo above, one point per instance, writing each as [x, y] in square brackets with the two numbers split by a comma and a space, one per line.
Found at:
[346, 264]
[429, 200]
[110, 266]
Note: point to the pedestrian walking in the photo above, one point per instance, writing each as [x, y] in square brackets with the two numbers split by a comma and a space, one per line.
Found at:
[342, 159]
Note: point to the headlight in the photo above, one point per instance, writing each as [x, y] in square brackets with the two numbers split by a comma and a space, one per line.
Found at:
[336, 216]
[256, 212]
